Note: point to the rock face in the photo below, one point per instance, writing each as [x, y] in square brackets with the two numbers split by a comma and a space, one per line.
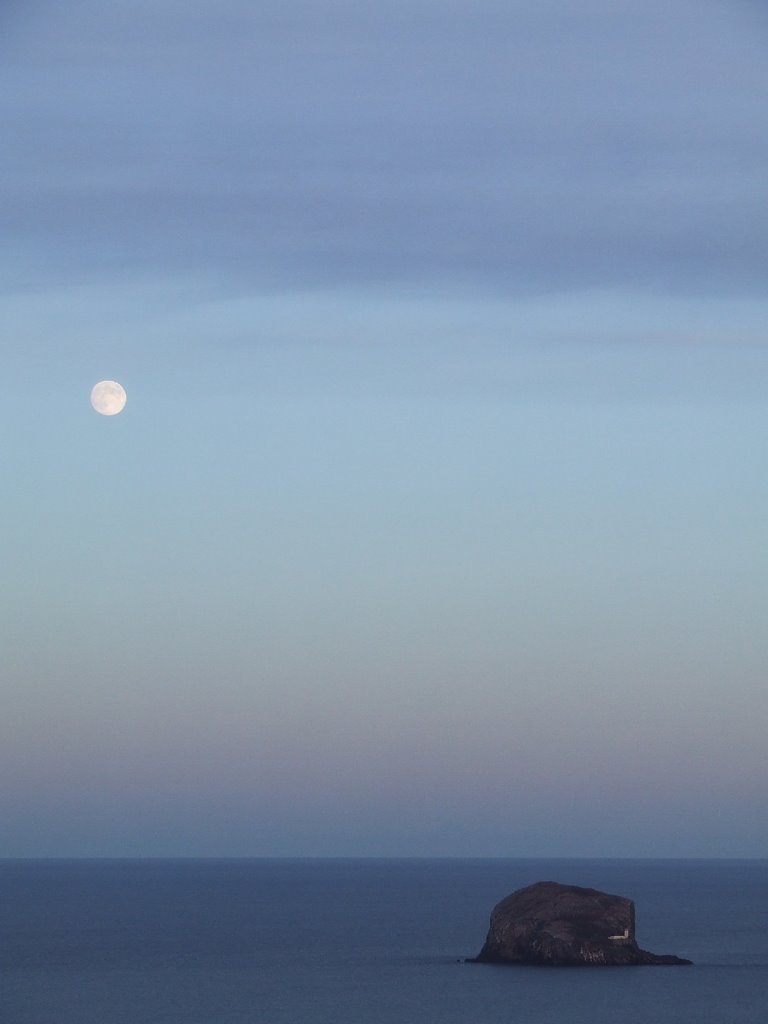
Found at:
[565, 925]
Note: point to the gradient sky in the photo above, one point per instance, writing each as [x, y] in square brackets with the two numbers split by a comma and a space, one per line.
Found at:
[435, 523]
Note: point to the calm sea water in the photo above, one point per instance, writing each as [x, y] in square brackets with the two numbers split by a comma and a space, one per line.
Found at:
[362, 942]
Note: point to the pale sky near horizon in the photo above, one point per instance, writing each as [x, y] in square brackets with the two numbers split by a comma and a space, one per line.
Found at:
[435, 523]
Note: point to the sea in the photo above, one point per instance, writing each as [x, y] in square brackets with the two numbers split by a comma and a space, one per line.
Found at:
[363, 942]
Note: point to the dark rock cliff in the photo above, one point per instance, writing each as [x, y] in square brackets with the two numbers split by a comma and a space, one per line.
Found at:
[565, 925]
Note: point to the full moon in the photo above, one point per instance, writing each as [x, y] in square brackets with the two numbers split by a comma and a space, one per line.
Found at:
[108, 397]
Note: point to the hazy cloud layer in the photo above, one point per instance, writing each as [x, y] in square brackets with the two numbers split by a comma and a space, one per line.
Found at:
[518, 146]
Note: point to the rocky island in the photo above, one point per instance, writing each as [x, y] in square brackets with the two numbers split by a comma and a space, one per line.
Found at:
[565, 925]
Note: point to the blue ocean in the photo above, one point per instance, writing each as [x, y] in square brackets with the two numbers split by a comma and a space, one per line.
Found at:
[362, 942]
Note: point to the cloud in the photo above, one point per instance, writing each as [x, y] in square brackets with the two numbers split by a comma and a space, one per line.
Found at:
[513, 147]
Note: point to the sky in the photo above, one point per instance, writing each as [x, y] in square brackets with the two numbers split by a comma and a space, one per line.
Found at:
[435, 522]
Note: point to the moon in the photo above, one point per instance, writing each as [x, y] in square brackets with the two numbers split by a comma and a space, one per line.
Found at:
[108, 397]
